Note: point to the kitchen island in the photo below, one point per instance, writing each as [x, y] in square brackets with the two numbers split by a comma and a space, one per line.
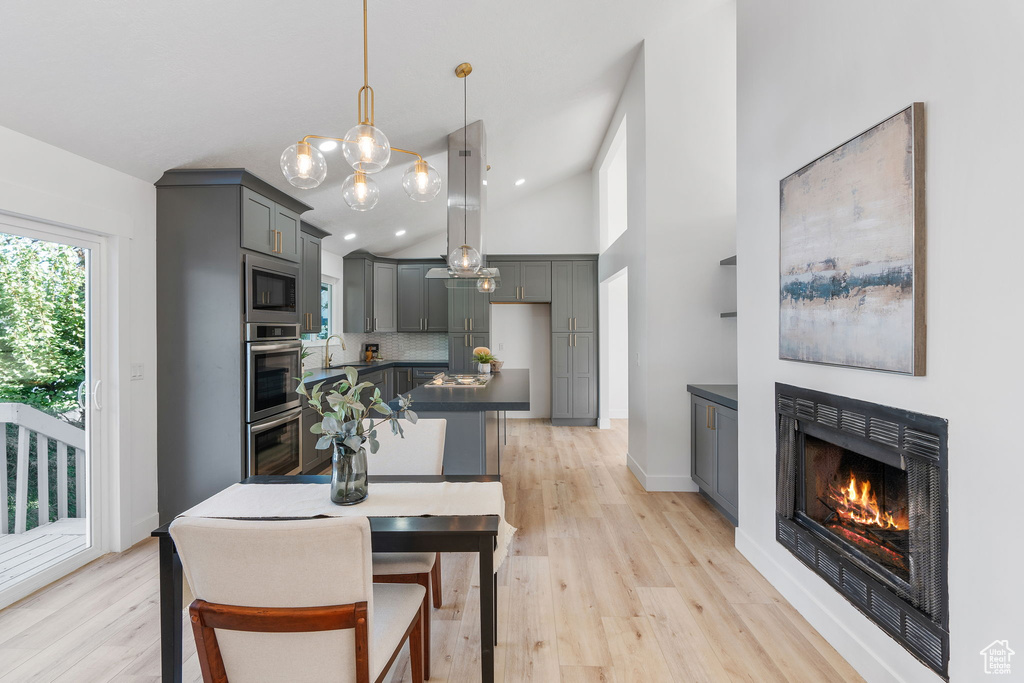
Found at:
[472, 444]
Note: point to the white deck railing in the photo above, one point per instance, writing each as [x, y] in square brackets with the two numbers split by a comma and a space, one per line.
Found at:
[70, 442]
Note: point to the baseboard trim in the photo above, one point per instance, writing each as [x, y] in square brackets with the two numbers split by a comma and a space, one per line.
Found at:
[831, 627]
[574, 422]
[660, 482]
[604, 423]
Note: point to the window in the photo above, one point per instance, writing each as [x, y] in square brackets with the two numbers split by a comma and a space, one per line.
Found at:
[326, 312]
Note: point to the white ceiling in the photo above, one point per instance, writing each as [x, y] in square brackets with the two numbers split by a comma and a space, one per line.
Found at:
[147, 86]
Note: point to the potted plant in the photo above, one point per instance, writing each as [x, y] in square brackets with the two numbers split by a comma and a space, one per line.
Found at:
[347, 425]
[482, 355]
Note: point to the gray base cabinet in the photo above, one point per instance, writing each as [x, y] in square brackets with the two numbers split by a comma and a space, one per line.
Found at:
[715, 453]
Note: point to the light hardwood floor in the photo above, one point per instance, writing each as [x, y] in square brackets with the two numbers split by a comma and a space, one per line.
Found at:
[604, 582]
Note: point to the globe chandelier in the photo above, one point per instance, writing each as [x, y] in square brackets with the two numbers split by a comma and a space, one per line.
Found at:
[366, 149]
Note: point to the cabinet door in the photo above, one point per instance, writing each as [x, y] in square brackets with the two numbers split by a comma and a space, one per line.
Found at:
[702, 444]
[727, 484]
[311, 313]
[561, 375]
[584, 375]
[368, 295]
[286, 222]
[584, 296]
[411, 298]
[479, 311]
[458, 352]
[510, 274]
[307, 440]
[436, 312]
[561, 296]
[385, 318]
[258, 228]
[535, 281]
[458, 310]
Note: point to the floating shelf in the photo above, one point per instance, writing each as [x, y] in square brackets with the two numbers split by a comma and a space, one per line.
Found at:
[731, 261]
[731, 314]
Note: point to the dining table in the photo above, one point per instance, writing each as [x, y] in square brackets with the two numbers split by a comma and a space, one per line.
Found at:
[388, 534]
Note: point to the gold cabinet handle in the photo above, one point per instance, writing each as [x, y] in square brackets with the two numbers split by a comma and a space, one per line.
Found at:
[710, 417]
[374, 323]
[523, 295]
[470, 324]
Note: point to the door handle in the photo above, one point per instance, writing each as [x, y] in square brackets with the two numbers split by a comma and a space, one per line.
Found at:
[96, 395]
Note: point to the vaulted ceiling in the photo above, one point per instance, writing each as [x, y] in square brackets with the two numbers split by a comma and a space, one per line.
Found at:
[147, 86]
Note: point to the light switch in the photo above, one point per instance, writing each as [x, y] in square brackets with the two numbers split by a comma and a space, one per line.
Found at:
[638, 358]
[501, 346]
[137, 371]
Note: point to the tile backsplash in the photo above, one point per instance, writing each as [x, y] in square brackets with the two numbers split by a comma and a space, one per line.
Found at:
[393, 346]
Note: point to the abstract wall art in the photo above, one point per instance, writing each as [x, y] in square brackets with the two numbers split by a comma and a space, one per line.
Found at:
[852, 252]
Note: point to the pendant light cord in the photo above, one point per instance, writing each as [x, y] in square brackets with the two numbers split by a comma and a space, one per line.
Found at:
[465, 156]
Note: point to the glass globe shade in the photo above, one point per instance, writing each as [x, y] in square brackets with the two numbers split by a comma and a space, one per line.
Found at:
[422, 182]
[303, 165]
[360, 192]
[464, 260]
[485, 285]
[366, 148]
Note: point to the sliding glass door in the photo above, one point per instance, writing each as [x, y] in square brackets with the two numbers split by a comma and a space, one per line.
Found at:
[48, 398]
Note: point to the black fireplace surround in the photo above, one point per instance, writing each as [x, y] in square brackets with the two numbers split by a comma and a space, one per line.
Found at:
[861, 500]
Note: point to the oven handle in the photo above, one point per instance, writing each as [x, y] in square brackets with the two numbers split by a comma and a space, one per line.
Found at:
[260, 427]
[285, 346]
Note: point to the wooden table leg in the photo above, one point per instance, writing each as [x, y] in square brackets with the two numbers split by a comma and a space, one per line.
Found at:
[487, 609]
[170, 611]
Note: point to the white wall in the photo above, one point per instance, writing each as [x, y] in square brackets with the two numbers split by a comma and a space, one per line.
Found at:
[431, 247]
[679, 104]
[616, 340]
[521, 337]
[548, 220]
[811, 75]
[48, 184]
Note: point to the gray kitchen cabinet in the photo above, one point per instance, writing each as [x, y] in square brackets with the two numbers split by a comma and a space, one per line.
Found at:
[422, 303]
[310, 310]
[385, 297]
[402, 378]
[714, 450]
[421, 376]
[522, 282]
[460, 351]
[574, 296]
[573, 378]
[313, 460]
[358, 295]
[468, 310]
[380, 379]
[269, 227]
[510, 273]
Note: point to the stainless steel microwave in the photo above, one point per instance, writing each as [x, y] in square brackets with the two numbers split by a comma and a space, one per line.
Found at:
[271, 291]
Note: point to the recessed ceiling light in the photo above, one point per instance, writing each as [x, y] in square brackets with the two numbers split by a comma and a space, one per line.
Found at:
[328, 145]
[485, 182]
[399, 233]
[350, 236]
[520, 182]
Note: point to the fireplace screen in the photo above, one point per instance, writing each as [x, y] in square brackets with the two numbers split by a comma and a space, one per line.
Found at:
[860, 501]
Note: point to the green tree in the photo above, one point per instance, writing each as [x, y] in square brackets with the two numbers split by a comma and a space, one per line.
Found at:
[42, 325]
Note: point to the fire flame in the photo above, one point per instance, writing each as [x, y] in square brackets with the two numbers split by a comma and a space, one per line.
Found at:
[856, 503]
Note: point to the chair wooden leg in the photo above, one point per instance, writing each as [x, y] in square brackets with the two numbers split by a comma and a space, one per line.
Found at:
[424, 580]
[417, 648]
[435, 581]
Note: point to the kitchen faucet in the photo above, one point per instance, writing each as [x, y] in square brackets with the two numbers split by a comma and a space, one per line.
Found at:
[327, 349]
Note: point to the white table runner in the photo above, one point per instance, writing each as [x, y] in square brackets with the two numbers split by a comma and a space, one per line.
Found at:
[407, 499]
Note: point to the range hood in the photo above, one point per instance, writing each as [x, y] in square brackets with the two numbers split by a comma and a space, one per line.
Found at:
[467, 201]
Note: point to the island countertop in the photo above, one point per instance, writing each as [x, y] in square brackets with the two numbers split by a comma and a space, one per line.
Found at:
[724, 394]
[506, 390]
[338, 371]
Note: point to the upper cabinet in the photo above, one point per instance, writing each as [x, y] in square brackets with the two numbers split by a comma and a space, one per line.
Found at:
[269, 227]
[522, 282]
[422, 303]
[358, 293]
[385, 301]
[468, 310]
[574, 296]
[310, 310]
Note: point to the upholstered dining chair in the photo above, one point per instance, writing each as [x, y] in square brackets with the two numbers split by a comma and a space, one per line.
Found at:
[294, 601]
[420, 452]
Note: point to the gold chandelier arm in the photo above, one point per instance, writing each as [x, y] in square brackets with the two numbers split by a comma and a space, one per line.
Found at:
[327, 137]
[367, 104]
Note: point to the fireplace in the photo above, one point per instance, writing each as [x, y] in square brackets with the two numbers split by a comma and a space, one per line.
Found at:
[861, 500]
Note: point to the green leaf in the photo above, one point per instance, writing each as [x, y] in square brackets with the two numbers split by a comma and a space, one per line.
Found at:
[352, 374]
[317, 428]
[354, 442]
[411, 416]
[382, 408]
[323, 442]
[374, 445]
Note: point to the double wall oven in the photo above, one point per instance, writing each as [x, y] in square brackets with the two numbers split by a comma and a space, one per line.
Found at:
[273, 362]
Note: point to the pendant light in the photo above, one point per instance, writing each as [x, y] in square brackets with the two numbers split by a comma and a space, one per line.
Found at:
[465, 261]
[366, 149]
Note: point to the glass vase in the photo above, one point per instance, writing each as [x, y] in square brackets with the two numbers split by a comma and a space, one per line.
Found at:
[348, 475]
